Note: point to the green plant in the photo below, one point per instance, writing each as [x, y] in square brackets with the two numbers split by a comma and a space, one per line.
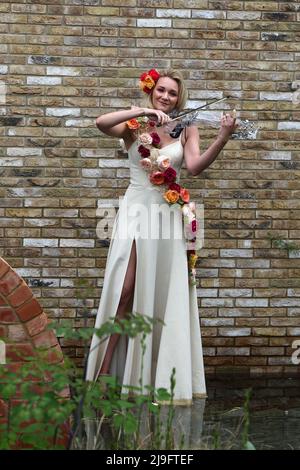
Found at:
[37, 408]
[282, 244]
[40, 414]
[246, 444]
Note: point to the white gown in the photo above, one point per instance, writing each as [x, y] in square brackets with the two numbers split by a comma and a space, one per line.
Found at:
[161, 290]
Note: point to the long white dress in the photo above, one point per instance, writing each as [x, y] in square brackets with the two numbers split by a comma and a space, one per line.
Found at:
[162, 290]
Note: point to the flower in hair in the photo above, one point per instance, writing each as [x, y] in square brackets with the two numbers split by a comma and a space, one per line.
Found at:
[148, 80]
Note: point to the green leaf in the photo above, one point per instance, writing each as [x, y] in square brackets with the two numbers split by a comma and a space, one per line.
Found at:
[8, 391]
[154, 408]
[130, 424]
[118, 421]
[125, 404]
[249, 446]
[163, 394]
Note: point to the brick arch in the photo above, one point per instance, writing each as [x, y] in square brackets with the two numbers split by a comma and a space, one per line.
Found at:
[22, 320]
[23, 329]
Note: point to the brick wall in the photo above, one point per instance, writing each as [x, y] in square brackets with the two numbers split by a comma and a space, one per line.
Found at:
[66, 61]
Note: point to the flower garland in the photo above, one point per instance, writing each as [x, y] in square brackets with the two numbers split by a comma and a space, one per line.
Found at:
[163, 175]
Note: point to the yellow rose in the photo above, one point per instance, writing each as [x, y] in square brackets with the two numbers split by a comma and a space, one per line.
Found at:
[147, 83]
[171, 196]
[192, 261]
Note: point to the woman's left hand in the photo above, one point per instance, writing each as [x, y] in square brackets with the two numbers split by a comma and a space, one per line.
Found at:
[228, 126]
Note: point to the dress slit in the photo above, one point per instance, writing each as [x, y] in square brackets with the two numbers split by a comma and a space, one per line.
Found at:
[109, 304]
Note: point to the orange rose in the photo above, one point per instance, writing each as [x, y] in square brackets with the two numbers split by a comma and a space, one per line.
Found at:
[147, 84]
[171, 196]
[133, 124]
[157, 178]
[185, 195]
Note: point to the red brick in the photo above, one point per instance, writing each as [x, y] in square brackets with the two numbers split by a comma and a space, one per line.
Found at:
[20, 295]
[4, 267]
[37, 325]
[54, 355]
[29, 310]
[9, 282]
[17, 333]
[46, 339]
[2, 300]
[19, 352]
[15, 367]
[7, 315]
[3, 331]
[64, 393]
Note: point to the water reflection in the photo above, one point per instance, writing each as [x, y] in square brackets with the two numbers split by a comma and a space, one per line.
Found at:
[274, 411]
[187, 425]
[218, 421]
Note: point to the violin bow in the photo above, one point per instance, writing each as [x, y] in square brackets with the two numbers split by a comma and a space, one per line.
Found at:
[196, 109]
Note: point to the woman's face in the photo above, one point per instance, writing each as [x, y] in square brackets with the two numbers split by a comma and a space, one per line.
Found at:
[165, 94]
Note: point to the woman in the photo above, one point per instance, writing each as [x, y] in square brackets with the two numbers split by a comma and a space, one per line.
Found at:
[147, 271]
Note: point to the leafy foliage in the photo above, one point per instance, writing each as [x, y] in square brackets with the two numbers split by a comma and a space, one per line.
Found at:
[52, 406]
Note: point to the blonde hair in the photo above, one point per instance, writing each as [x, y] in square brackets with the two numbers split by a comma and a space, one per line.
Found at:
[182, 91]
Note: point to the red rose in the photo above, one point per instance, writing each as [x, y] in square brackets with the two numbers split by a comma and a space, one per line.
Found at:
[170, 175]
[143, 76]
[175, 187]
[154, 74]
[144, 151]
[155, 139]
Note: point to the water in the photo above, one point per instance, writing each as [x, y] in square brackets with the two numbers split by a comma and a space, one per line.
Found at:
[217, 421]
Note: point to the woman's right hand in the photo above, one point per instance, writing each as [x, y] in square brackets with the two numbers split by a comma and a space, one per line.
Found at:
[156, 115]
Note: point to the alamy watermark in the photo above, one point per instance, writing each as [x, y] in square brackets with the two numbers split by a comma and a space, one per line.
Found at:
[296, 93]
[126, 220]
[296, 354]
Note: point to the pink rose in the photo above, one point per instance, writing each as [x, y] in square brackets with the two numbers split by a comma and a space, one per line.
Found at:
[163, 162]
[185, 195]
[146, 163]
[145, 139]
[157, 178]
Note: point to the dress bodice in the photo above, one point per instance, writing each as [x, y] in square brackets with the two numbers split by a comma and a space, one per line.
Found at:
[139, 177]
